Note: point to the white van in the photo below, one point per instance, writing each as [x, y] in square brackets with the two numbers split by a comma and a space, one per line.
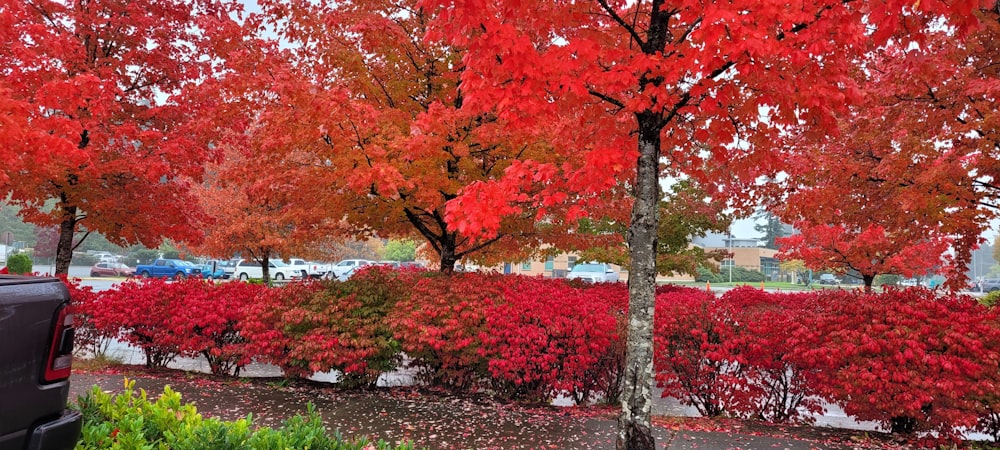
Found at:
[278, 270]
[343, 268]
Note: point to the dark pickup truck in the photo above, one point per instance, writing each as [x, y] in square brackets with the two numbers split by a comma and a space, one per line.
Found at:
[36, 352]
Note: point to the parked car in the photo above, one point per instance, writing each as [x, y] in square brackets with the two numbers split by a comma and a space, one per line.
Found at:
[989, 285]
[341, 269]
[593, 273]
[168, 268]
[278, 270]
[392, 265]
[828, 278]
[213, 270]
[111, 269]
[229, 266]
[309, 269]
[36, 357]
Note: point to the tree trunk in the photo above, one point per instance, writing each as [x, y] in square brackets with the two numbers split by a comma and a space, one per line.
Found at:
[634, 425]
[64, 249]
[265, 264]
[869, 281]
[448, 258]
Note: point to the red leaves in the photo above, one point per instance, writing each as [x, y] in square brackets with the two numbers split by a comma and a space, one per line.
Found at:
[333, 326]
[522, 337]
[190, 317]
[904, 357]
[908, 360]
[440, 325]
[547, 338]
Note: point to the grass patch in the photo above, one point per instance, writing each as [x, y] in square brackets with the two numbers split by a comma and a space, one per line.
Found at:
[96, 363]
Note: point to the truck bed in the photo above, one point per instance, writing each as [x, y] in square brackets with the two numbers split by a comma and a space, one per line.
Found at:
[32, 410]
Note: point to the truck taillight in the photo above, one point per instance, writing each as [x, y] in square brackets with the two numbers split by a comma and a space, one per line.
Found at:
[60, 360]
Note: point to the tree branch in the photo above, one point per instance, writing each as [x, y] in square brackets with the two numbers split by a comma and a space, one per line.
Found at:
[607, 98]
[621, 22]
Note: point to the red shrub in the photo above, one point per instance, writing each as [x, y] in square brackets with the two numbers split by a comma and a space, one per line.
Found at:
[546, 338]
[908, 360]
[689, 361]
[334, 326]
[439, 326]
[144, 312]
[771, 385]
[212, 317]
[264, 326]
[83, 302]
[605, 377]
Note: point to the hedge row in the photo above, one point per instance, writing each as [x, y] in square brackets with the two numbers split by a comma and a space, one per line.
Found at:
[911, 360]
[518, 337]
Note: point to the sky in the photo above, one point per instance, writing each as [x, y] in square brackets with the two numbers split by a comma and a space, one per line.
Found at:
[743, 229]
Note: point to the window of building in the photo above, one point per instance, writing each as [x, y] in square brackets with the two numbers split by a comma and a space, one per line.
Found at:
[572, 262]
[769, 266]
[526, 266]
[550, 263]
[727, 262]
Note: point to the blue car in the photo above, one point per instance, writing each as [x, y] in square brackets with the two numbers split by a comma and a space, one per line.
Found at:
[219, 272]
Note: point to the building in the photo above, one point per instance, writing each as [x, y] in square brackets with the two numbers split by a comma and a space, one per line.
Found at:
[746, 253]
[557, 266]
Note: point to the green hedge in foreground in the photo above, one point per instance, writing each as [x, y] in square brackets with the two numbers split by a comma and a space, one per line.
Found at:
[130, 421]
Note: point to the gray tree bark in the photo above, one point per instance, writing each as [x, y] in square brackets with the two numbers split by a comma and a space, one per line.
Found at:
[634, 430]
[64, 249]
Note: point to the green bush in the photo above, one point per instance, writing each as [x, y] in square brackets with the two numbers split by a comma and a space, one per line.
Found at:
[739, 274]
[886, 279]
[990, 300]
[131, 421]
[19, 263]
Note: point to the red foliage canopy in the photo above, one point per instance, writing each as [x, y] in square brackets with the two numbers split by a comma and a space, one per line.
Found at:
[94, 122]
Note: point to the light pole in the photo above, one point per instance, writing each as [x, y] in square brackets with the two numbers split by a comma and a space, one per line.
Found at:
[732, 259]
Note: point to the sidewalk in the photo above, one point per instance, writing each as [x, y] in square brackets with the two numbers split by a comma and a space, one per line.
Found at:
[431, 420]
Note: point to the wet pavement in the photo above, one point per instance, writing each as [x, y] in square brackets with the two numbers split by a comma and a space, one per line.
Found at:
[429, 419]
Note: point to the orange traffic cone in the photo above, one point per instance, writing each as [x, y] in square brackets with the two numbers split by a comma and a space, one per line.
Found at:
[708, 286]
[762, 285]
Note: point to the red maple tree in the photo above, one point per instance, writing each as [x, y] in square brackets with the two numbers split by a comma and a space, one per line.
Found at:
[864, 202]
[677, 83]
[911, 173]
[94, 124]
[257, 211]
[374, 113]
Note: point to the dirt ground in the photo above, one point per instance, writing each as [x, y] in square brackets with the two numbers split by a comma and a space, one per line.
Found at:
[437, 419]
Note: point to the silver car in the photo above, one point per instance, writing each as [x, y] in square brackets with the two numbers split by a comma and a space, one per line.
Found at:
[593, 273]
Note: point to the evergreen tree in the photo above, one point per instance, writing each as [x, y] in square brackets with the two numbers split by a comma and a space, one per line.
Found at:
[771, 226]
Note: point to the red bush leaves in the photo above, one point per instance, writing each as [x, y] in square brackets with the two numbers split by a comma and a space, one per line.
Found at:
[907, 359]
[910, 360]
[166, 319]
[440, 325]
[546, 338]
[527, 338]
